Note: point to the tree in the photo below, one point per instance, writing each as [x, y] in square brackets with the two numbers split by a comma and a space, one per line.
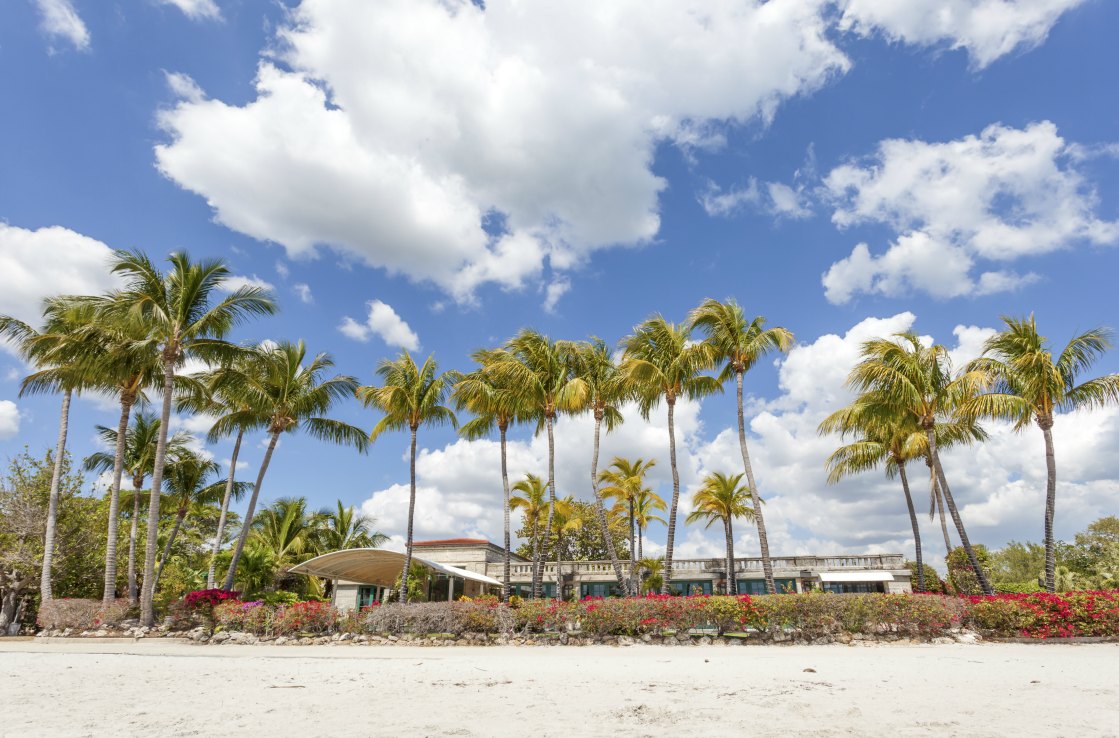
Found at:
[530, 498]
[494, 405]
[740, 344]
[646, 505]
[604, 388]
[582, 543]
[137, 460]
[175, 311]
[722, 498]
[289, 532]
[661, 362]
[902, 376]
[345, 527]
[652, 570]
[411, 396]
[624, 482]
[533, 367]
[1030, 385]
[276, 383]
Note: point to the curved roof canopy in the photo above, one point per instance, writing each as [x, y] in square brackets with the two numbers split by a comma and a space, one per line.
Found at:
[376, 566]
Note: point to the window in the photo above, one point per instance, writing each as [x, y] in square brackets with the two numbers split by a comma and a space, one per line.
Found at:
[700, 587]
[366, 596]
[854, 587]
[599, 589]
[757, 586]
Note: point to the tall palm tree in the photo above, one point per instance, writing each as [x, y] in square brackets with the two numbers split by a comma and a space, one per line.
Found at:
[494, 405]
[902, 376]
[604, 388]
[176, 310]
[137, 461]
[624, 481]
[346, 527]
[62, 353]
[410, 397]
[277, 383]
[740, 343]
[661, 362]
[529, 496]
[1030, 385]
[646, 505]
[568, 519]
[722, 498]
[538, 372]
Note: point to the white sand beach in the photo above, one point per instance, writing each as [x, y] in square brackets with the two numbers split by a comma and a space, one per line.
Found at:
[69, 687]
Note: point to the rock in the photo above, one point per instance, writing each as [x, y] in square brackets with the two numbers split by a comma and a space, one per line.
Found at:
[809, 670]
[221, 637]
[705, 641]
[967, 636]
[625, 641]
[646, 638]
[281, 641]
[564, 638]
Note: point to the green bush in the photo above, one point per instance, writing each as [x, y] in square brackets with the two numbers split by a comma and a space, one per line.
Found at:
[279, 597]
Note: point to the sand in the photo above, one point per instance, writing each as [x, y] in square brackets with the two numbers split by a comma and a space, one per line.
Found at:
[70, 687]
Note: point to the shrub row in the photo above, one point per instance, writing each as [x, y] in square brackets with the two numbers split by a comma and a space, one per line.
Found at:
[64, 613]
[1043, 615]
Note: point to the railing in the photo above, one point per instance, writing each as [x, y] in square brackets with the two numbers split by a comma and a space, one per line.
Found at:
[683, 567]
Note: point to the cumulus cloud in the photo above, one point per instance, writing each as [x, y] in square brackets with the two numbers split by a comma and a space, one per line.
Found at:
[556, 290]
[440, 116]
[986, 29]
[9, 420]
[196, 9]
[183, 86]
[238, 281]
[1005, 194]
[58, 19]
[303, 291]
[384, 322]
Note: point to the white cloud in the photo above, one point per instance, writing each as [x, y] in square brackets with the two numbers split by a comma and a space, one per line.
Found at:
[1005, 194]
[184, 87]
[440, 114]
[282, 270]
[381, 321]
[9, 419]
[304, 292]
[986, 29]
[196, 9]
[59, 19]
[555, 290]
[237, 281]
[716, 201]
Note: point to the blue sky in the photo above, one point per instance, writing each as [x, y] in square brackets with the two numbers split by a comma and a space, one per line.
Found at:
[843, 167]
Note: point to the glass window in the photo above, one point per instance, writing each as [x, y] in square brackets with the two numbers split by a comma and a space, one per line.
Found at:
[854, 587]
[754, 587]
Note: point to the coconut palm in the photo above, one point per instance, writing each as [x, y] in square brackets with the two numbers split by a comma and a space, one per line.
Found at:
[346, 527]
[662, 363]
[137, 461]
[568, 519]
[901, 376]
[740, 344]
[623, 482]
[604, 388]
[289, 532]
[722, 498]
[529, 496]
[278, 383]
[652, 571]
[494, 405]
[534, 368]
[1030, 385]
[646, 505]
[411, 396]
[177, 311]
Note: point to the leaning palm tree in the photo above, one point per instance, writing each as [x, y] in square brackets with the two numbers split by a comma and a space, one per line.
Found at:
[903, 377]
[1030, 385]
[345, 527]
[494, 405]
[661, 362]
[61, 353]
[722, 498]
[741, 343]
[534, 368]
[529, 496]
[623, 482]
[410, 397]
[176, 310]
[604, 388]
[278, 383]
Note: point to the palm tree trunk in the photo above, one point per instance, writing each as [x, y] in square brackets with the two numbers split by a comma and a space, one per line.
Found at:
[133, 590]
[45, 592]
[956, 514]
[640, 542]
[147, 593]
[1050, 506]
[411, 517]
[179, 517]
[916, 529]
[937, 502]
[224, 510]
[247, 523]
[729, 530]
[110, 591]
[755, 500]
[536, 574]
[551, 498]
[600, 511]
[505, 488]
[675, 495]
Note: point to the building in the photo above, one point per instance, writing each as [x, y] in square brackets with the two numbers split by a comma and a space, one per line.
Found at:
[474, 566]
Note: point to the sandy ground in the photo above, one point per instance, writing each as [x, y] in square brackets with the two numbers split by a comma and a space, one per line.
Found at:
[68, 687]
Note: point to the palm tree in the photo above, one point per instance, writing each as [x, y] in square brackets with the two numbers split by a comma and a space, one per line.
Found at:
[604, 388]
[274, 382]
[62, 353]
[530, 500]
[345, 527]
[176, 311]
[646, 505]
[624, 481]
[653, 572]
[288, 532]
[722, 498]
[741, 343]
[661, 362]
[568, 519]
[494, 405]
[534, 368]
[901, 376]
[137, 461]
[411, 396]
[1029, 385]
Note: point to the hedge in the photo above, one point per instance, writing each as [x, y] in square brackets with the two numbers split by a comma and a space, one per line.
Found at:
[61, 613]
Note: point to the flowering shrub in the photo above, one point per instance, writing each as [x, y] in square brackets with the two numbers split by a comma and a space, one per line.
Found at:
[197, 607]
[303, 617]
[202, 599]
[422, 618]
[81, 614]
[1044, 615]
